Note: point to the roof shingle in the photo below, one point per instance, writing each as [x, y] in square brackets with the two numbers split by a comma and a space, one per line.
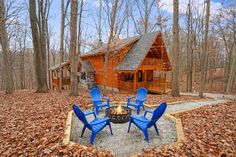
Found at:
[136, 54]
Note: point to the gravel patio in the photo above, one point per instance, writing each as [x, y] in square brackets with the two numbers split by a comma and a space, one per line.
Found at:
[122, 143]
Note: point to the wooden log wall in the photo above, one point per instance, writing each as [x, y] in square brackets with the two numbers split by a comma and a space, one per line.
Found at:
[98, 65]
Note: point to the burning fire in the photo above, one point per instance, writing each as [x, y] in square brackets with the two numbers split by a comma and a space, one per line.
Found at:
[119, 110]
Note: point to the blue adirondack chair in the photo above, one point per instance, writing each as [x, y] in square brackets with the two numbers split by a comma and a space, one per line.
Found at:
[95, 125]
[96, 97]
[143, 123]
[140, 97]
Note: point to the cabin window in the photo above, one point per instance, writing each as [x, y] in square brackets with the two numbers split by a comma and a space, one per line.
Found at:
[129, 76]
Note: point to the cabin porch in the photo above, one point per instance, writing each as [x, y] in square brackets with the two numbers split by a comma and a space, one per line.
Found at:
[154, 81]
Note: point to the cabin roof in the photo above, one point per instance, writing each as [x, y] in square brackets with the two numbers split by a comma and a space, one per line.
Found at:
[139, 50]
[58, 66]
[116, 45]
[86, 66]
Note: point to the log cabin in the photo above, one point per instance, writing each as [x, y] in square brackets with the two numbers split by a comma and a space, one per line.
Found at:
[139, 61]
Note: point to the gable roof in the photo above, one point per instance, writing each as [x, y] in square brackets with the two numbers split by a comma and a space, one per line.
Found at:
[86, 66]
[58, 66]
[139, 50]
[114, 46]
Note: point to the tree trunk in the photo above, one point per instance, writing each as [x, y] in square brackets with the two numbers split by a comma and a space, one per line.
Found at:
[189, 52]
[39, 44]
[22, 69]
[48, 54]
[108, 44]
[100, 24]
[146, 17]
[73, 53]
[62, 38]
[79, 26]
[175, 51]
[204, 52]
[230, 81]
[5, 50]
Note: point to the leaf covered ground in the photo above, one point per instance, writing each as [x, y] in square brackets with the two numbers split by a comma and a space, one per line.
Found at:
[209, 131]
[32, 124]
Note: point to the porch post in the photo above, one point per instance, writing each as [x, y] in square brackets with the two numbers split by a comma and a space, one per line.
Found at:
[165, 82]
[135, 80]
[145, 75]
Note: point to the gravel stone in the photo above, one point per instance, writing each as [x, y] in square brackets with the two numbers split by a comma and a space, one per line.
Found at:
[122, 143]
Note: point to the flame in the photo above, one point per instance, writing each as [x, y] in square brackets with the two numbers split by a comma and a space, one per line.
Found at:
[119, 110]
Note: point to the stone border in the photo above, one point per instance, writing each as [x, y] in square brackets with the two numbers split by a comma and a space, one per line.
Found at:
[179, 128]
[66, 139]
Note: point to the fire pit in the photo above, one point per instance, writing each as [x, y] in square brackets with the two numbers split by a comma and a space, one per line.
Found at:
[118, 114]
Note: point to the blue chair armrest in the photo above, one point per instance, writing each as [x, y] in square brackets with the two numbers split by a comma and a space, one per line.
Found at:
[107, 99]
[95, 100]
[90, 112]
[100, 121]
[147, 111]
[129, 98]
[139, 119]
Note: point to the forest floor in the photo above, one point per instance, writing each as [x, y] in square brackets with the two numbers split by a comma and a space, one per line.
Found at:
[32, 124]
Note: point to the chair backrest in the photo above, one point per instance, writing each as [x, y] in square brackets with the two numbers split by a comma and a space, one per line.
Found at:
[96, 94]
[157, 113]
[141, 94]
[80, 114]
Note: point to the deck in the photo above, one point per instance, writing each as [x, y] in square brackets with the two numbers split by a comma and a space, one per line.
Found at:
[159, 87]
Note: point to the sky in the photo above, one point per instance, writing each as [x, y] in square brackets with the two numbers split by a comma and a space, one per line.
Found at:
[89, 16]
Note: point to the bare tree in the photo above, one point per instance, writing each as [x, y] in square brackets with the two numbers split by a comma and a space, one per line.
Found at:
[175, 51]
[38, 30]
[230, 81]
[73, 43]
[204, 52]
[79, 26]
[142, 23]
[226, 27]
[189, 50]
[5, 50]
[98, 24]
[114, 10]
[21, 39]
[62, 29]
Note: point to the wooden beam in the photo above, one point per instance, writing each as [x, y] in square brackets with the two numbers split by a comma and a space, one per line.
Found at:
[145, 75]
[60, 79]
[135, 81]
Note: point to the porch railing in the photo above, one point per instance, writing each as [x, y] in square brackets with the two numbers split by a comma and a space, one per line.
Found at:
[152, 62]
[156, 84]
[123, 85]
